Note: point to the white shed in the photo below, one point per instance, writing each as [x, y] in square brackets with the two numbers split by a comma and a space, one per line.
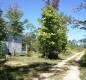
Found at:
[14, 45]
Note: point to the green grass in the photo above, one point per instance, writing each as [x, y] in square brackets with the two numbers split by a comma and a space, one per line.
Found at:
[83, 67]
[35, 66]
[34, 58]
[65, 55]
[83, 73]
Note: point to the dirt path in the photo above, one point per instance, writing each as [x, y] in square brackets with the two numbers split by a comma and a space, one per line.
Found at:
[52, 72]
[73, 72]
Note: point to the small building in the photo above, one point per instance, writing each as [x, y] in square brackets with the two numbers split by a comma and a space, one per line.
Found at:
[13, 44]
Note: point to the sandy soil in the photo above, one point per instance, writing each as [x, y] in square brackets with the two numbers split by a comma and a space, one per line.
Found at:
[73, 72]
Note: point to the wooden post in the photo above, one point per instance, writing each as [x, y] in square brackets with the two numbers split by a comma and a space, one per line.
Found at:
[26, 49]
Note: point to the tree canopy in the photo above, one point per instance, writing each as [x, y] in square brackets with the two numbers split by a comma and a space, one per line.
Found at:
[2, 27]
[14, 15]
[52, 35]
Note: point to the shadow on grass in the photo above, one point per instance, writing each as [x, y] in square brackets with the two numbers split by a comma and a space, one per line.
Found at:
[83, 61]
[2, 61]
[82, 64]
[78, 63]
[20, 73]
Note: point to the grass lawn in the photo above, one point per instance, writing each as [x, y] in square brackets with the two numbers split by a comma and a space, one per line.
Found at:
[83, 67]
[24, 68]
[82, 70]
[83, 73]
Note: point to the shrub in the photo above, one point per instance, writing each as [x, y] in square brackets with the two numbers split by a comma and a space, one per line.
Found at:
[2, 55]
[29, 54]
[83, 59]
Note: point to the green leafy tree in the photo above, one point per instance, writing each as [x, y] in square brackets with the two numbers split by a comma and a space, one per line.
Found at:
[29, 39]
[83, 42]
[30, 36]
[72, 44]
[52, 36]
[2, 28]
[2, 33]
[14, 15]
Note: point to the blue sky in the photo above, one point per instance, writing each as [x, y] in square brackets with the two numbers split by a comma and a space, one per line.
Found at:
[32, 11]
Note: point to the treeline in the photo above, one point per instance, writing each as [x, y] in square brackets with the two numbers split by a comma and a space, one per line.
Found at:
[50, 39]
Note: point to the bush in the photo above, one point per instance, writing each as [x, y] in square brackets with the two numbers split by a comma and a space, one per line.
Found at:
[2, 54]
[29, 54]
[83, 59]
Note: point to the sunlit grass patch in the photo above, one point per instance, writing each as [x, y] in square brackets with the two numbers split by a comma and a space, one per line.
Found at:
[83, 73]
[24, 68]
[83, 67]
